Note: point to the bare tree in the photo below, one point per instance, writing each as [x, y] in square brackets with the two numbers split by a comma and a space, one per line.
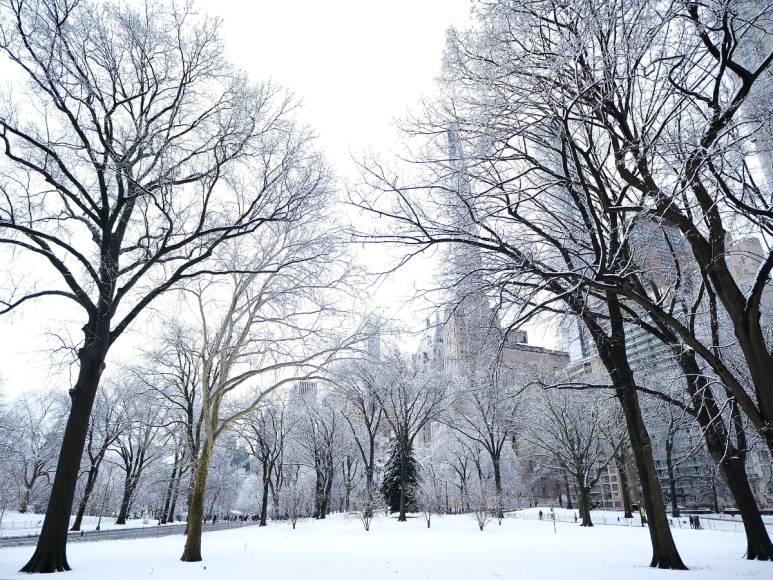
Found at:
[577, 431]
[363, 413]
[298, 494]
[107, 422]
[428, 495]
[173, 370]
[549, 172]
[265, 431]
[135, 151]
[263, 331]
[34, 437]
[485, 411]
[137, 445]
[319, 436]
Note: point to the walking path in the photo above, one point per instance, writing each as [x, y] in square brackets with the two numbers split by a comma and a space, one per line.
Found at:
[127, 534]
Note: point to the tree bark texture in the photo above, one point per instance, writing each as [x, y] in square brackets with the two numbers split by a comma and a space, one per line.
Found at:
[729, 458]
[403, 483]
[192, 551]
[91, 480]
[622, 474]
[169, 490]
[128, 491]
[585, 506]
[613, 354]
[51, 551]
[671, 476]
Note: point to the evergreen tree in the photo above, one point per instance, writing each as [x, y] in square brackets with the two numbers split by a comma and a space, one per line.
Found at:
[390, 488]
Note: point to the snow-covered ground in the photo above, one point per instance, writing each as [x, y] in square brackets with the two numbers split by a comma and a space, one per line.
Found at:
[709, 521]
[339, 549]
[16, 524]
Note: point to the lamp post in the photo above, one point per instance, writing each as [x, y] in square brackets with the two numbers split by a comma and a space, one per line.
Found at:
[104, 497]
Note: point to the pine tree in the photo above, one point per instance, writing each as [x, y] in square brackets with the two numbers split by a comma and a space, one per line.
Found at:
[390, 488]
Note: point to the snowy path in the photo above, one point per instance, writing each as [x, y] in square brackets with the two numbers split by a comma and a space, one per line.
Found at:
[340, 549]
[128, 533]
[16, 524]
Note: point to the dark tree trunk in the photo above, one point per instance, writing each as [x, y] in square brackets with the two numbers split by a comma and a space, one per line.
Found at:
[264, 502]
[175, 495]
[128, 491]
[612, 352]
[51, 552]
[730, 460]
[671, 476]
[91, 481]
[169, 490]
[758, 545]
[585, 507]
[498, 487]
[328, 489]
[319, 494]
[622, 475]
[403, 483]
[568, 492]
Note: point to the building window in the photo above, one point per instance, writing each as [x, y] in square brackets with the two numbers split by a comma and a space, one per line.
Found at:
[615, 487]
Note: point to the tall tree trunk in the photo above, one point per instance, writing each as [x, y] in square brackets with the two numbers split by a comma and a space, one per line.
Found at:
[51, 551]
[264, 501]
[498, 487]
[403, 483]
[128, 490]
[175, 495]
[568, 492]
[622, 476]
[758, 545]
[91, 481]
[192, 551]
[613, 354]
[585, 506]
[730, 459]
[319, 494]
[671, 477]
[328, 489]
[169, 490]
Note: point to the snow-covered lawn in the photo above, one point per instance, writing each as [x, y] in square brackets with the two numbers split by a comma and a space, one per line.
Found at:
[339, 549]
[709, 521]
[16, 524]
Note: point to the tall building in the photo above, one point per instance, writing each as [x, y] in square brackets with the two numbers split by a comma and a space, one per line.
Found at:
[303, 392]
[753, 47]
[373, 332]
[743, 258]
[430, 349]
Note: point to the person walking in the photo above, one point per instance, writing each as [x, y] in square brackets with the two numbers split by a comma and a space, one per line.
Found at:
[692, 523]
[540, 515]
[698, 523]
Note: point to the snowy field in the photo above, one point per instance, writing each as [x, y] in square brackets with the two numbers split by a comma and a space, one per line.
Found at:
[339, 549]
[709, 521]
[16, 524]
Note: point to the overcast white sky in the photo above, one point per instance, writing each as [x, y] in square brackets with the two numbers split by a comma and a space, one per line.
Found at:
[357, 65]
